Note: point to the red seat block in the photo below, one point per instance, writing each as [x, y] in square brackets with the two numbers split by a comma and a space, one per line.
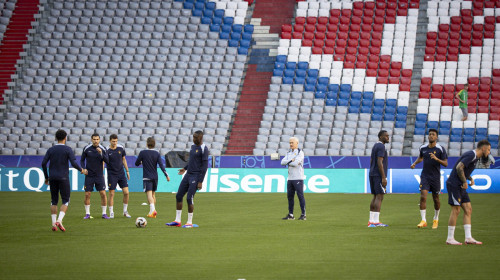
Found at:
[328, 50]
[485, 80]
[406, 73]
[383, 73]
[371, 72]
[320, 36]
[395, 73]
[382, 80]
[426, 81]
[300, 20]
[317, 50]
[437, 87]
[423, 95]
[404, 87]
[286, 35]
[473, 80]
[286, 28]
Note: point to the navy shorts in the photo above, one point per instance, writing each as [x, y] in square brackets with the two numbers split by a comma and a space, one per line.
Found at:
[150, 185]
[117, 180]
[430, 185]
[456, 195]
[376, 185]
[189, 185]
[62, 187]
[97, 181]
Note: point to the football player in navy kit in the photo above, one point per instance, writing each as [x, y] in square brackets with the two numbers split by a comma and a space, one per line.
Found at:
[116, 174]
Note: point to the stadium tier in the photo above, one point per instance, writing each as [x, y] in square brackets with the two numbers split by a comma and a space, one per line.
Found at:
[341, 71]
[461, 47]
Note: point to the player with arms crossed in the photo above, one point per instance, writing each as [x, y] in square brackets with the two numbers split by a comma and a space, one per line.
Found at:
[149, 159]
[58, 176]
[93, 158]
[457, 191]
[193, 180]
[116, 175]
[294, 159]
[433, 155]
[378, 178]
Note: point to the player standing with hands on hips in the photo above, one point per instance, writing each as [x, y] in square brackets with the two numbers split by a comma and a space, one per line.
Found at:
[294, 159]
[433, 155]
[457, 191]
[378, 178]
[58, 177]
[192, 181]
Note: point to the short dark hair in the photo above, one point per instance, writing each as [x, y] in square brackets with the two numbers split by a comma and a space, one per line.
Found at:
[198, 133]
[60, 135]
[482, 143]
[151, 142]
[113, 136]
[381, 133]
[95, 135]
[433, 130]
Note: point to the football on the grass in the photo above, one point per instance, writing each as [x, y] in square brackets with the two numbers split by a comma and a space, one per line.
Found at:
[141, 222]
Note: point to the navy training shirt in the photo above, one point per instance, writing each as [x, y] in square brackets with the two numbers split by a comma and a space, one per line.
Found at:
[58, 156]
[431, 169]
[378, 150]
[149, 159]
[92, 160]
[469, 160]
[198, 161]
[115, 158]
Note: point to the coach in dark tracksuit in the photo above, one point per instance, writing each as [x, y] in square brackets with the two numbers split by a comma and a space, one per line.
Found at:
[58, 176]
[294, 159]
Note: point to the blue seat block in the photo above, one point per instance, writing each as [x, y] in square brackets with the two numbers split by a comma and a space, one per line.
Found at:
[299, 80]
[445, 124]
[388, 117]
[331, 102]
[309, 87]
[342, 102]
[323, 81]
[422, 117]
[419, 124]
[345, 87]
[366, 109]
[278, 72]
[248, 28]
[354, 110]
[287, 80]
[356, 95]
[289, 73]
[281, 59]
[331, 95]
[313, 73]
[333, 87]
[401, 124]
[322, 87]
[433, 124]
[290, 65]
[444, 131]
[320, 95]
[419, 131]
[367, 102]
[379, 102]
[300, 73]
[376, 117]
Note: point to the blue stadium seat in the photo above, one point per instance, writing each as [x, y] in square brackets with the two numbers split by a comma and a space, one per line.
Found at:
[345, 87]
[481, 130]
[289, 73]
[313, 73]
[432, 124]
[445, 124]
[378, 110]
[207, 20]
[344, 94]
[367, 102]
[224, 35]
[281, 59]
[468, 138]
[208, 13]
[299, 80]
[199, 5]
[322, 87]
[419, 124]
[311, 81]
[379, 103]
[323, 81]
[300, 73]
[188, 5]
[332, 95]
[391, 102]
[354, 110]
[243, 50]
[197, 13]
[342, 102]
[356, 95]
[279, 65]
[368, 95]
[355, 102]
[237, 28]
[290, 65]
[401, 117]
[493, 138]
[233, 43]
[320, 95]
[214, 27]
[422, 117]
[388, 117]
[245, 43]
[403, 110]
[288, 80]
[309, 87]
[391, 109]
[210, 5]
[456, 132]
[366, 109]
[469, 131]
[480, 137]
[235, 35]
[248, 28]
[400, 124]
[376, 117]
[303, 65]
[444, 131]
[219, 13]
[333, 87]
[419, 131]
[331, 102]
[217, 20]
[246, 36]
[228, 20]
[278, 72]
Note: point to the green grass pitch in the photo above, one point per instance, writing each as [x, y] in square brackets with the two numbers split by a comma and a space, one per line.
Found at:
[242, 236]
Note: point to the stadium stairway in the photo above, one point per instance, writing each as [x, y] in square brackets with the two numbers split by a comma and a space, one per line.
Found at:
[14, 38]
[268, 16]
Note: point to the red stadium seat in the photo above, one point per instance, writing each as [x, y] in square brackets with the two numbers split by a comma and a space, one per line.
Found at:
[485, 80]
[380, 13]
[340, 50]
[431, 35]
[466, 28]
[437, 87]
[369, 5]
[393, 80]
[383, 72]
[323, 20]
[489, 20]
[452, 50]
[376, 43]
[496, 72]
[345, 20]
[473, 81]
[464, 50]
[344, 28]
[321, 28]
[366, 27]
[484, 95]
[286, 35]
[406, 73]
[286, 28]
[357, 5]
[353, 36]
[338, 57]
[328, 50]
[494, 116]
[455, 27]
[350, 58]
[444, 27]
[374, 58]
[362, 57]
[334, 13]
[384, 65]
[454, 35]
[300, 20]
[309, 35]
[430, 44]
[472, 94]
[318, 43]
[363, 50]
[351, 50]
[495, 103]
[297, 35]
[346, 12]
[454, 42]
[471, 102]
[298, 28]
[311, 20]
[483, 109]
[379, 20]
[317, 50]
[360, 65]
[333, 20]
[352, 44]
[385, 58]
[404, 87]
[456, 20]
[489, 34]
[465, 13]
[310, 28]
[472, 109]
[443, 35]
[449, 88]
[440, 57]
[307, 43]
[436, 94]
[371, 72]
[395, 73]
[402, 12]
[348, 65]
[330, 43]
[331, 35]
[423, 95]
[447, 102]
[483, 102]
[441, 50]
[378, 27]
[372, 65]
[442, 43]
[364, 43]
[396, 65]
[341, 43]
[382, 80]
[448, 95]
[367, 19]
[331, 27]
[377, 36]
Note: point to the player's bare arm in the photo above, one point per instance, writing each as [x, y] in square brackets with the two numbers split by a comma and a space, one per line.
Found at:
[442, 162]
[126, 167]
[461, 175]
[181, 171]
[380, 165]
[419, 160]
